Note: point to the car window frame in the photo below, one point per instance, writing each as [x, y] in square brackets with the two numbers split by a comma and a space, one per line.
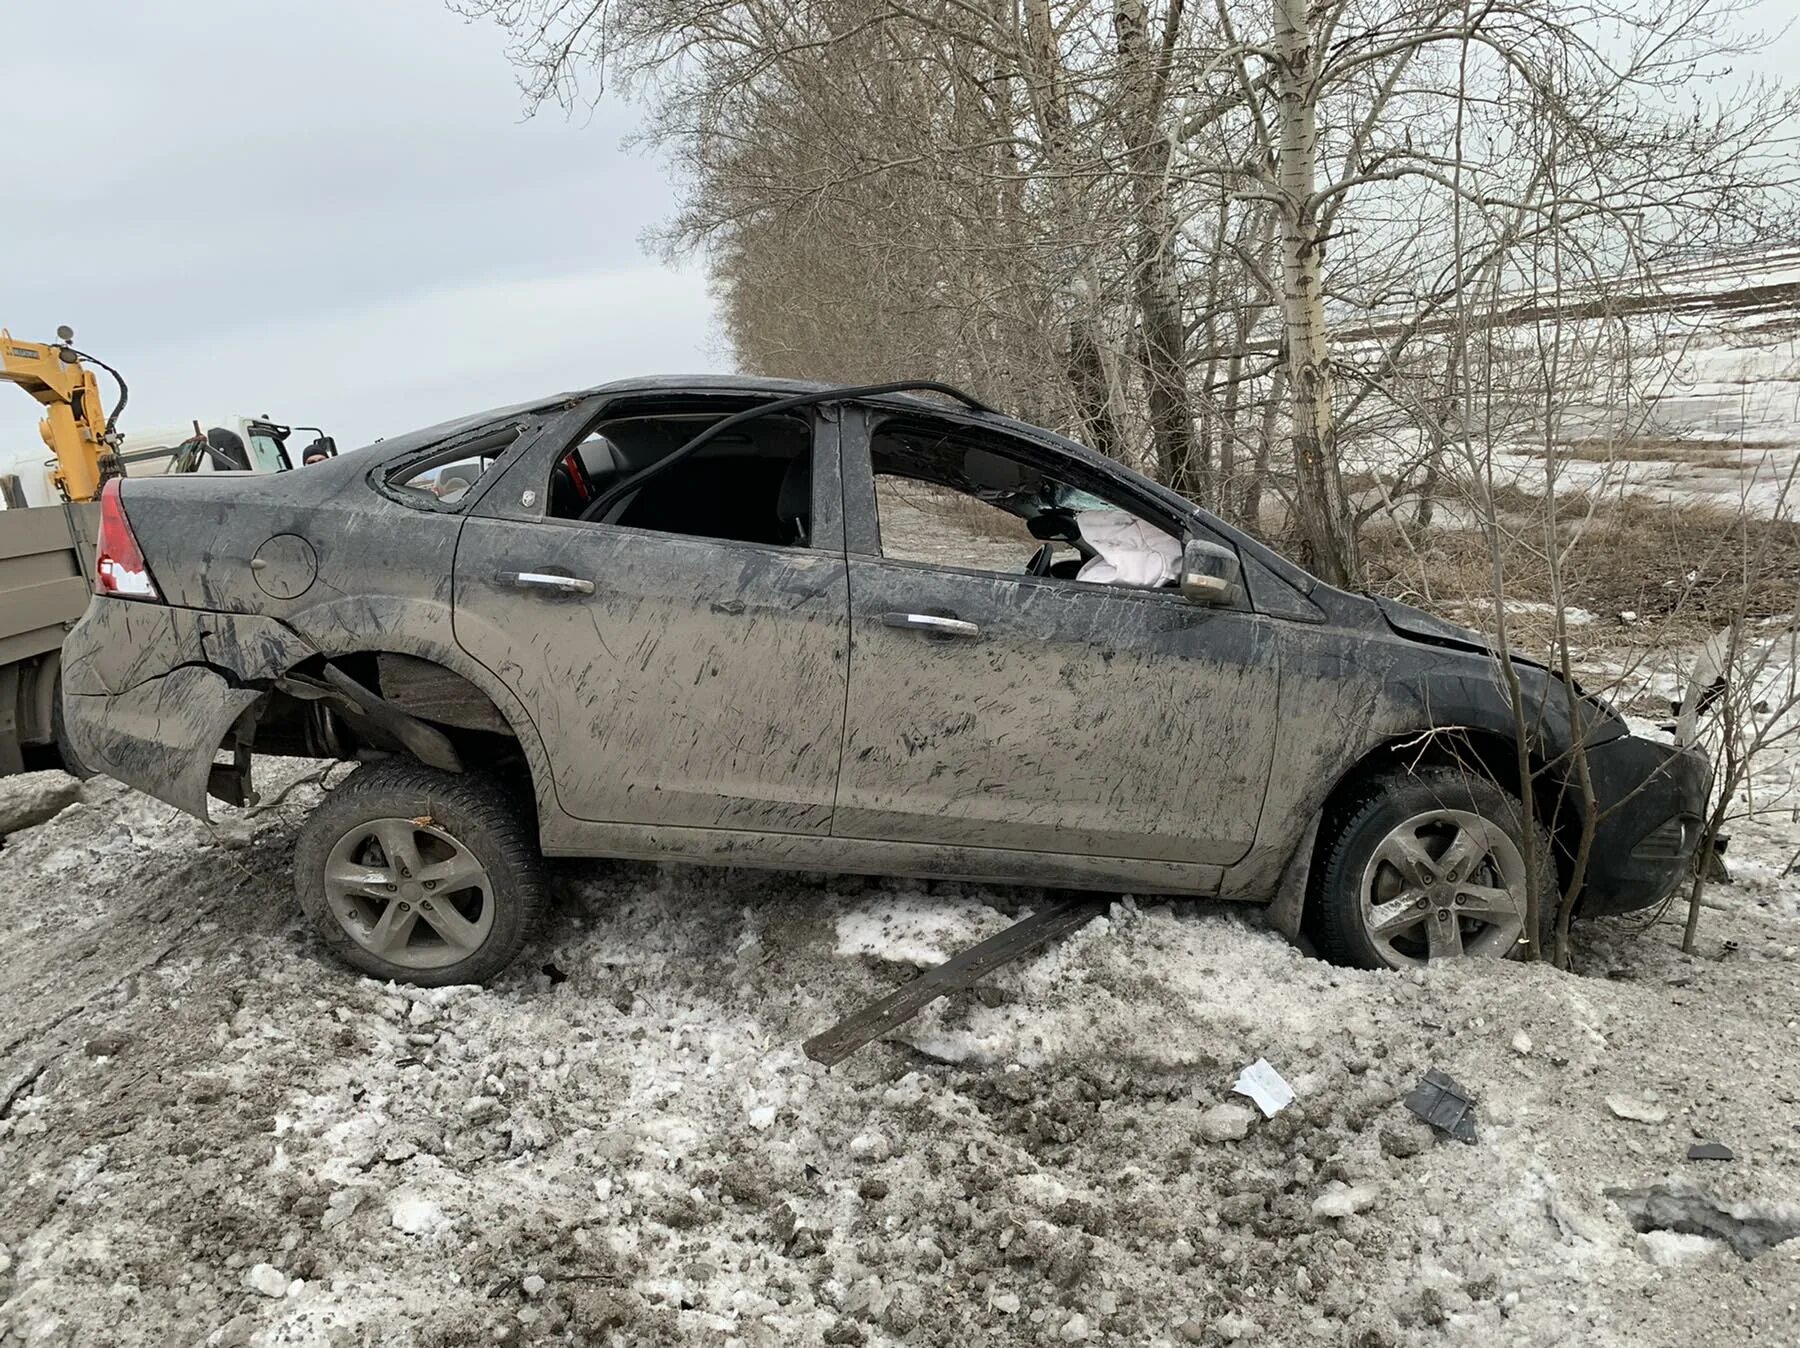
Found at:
[862, 423]
[530, 472]
[387, 477]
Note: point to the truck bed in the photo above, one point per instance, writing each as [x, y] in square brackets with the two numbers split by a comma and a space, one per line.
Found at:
[46, 560]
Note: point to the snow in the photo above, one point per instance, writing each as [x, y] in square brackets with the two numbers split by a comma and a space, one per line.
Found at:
[1340, 1200]
[1225, 1122]
[416, 1216]
[267, 1280]
[912, 929]
[1638, 1111]
[1706, 409]
[652, 1146]
[271, 1150]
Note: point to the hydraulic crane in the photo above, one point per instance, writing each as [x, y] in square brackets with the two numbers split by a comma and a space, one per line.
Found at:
[76, 426]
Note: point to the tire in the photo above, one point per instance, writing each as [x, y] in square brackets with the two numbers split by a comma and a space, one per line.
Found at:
[1386, 851]
[469, 884]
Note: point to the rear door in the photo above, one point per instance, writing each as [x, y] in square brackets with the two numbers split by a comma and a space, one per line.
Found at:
[676, 679]
[990, 707]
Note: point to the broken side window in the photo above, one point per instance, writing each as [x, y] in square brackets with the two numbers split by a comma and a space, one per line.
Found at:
[949, 499]
[447, 477]
[752, 484]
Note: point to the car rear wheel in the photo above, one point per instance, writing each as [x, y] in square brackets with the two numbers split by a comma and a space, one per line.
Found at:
[420, 876]
[1430, 866]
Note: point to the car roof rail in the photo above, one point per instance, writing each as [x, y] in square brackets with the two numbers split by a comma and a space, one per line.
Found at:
[969, 401]
[599, 505]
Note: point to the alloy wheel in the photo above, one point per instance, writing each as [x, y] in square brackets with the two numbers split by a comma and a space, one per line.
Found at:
[1442, 885]
[409, 892]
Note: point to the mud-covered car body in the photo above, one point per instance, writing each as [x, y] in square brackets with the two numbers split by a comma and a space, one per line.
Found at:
[678, 680]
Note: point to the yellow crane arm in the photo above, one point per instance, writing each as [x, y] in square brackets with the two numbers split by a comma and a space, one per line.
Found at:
[74, 424]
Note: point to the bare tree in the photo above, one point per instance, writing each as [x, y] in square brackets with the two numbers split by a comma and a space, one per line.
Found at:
[1181, 229]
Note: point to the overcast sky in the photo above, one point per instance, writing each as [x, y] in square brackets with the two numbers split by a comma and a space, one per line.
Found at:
[332, 211]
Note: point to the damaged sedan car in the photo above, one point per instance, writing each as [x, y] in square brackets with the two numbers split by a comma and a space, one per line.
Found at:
[881, 630]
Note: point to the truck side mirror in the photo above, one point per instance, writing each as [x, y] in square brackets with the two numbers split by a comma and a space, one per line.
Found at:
[324, 446]
[1209, 572]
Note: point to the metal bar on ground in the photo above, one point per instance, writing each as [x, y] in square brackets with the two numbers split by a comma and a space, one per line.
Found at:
[960, 971]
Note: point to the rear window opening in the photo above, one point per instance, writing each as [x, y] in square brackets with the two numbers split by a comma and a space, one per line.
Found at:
[753, 484]
[447, 477]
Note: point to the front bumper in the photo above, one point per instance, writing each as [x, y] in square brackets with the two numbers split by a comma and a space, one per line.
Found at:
[1649, 808]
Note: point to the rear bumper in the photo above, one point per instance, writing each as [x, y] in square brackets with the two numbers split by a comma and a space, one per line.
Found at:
[150, 691]
[161, 735]
[1650, 806]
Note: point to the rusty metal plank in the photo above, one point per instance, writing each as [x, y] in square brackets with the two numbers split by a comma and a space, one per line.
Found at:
[960, 971]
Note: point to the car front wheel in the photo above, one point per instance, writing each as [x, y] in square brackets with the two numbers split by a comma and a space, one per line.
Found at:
[420, 876]
[1430, 866]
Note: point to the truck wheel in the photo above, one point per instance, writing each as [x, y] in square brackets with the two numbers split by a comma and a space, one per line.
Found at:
[420, 876]
[1429, 866]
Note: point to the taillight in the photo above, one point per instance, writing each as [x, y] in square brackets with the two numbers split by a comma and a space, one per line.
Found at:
[119, 563]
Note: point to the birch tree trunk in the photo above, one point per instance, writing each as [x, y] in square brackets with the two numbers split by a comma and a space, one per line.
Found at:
[1326, 530]
[1081, 292]
[1143, 79]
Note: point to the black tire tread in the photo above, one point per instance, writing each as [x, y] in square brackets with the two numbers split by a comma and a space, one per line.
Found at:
[409, 788]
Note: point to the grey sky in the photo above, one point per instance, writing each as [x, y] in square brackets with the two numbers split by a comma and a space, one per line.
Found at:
[332, 211]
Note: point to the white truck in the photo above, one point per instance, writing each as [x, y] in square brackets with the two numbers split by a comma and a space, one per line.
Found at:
[269, 446]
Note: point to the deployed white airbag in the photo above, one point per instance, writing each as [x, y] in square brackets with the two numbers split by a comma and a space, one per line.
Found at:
[1130, 552]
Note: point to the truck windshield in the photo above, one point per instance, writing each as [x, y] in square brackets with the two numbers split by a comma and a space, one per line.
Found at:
[266, 452]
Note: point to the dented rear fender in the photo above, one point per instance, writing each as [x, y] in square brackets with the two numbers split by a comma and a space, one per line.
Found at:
[120, 643]
[151, 690]
[159, 735]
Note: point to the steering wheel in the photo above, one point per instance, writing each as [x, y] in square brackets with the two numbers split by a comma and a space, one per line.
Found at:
[1041, 561]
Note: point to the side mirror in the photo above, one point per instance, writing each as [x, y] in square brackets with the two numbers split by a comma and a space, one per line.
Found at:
[1209, 572]
[323, 445]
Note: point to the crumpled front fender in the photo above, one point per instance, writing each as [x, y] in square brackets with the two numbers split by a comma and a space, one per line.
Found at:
[161, 734]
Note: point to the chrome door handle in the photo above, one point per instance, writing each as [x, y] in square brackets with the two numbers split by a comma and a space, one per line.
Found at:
[543, 580]
[930, 622]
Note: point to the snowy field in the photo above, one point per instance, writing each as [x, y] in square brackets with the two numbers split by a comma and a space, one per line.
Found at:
[1708, 410]
[212, 1135]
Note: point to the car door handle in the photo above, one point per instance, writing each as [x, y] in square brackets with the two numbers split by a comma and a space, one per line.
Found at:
[544, 580]
[930, 622]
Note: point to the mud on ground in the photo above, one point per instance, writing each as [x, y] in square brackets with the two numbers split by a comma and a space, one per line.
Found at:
[210, 1135]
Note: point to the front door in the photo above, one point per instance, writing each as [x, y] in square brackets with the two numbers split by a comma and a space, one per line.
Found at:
[676, 678]
[994, 708]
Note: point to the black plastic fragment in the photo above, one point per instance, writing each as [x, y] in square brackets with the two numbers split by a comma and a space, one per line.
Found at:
[1444, 1104]
[1711, 1151]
